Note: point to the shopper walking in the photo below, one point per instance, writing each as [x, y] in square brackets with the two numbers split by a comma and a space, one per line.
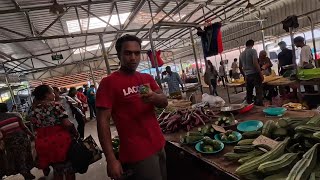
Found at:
[63, 100]
[212, 74]
[174, 81]
[249, 67]
[141, 140]
[91, 94]
[223, 74]
[17, 145]
[53, 133]
[83, 99]
[284, 59]
[77, 110]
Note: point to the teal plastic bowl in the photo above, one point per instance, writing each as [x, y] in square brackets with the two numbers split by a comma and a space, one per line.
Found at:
[198, 148]
[250, 125]
[274, 111]
[237, 134]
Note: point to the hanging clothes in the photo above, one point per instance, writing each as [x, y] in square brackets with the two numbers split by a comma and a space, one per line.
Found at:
[158, 56]
[211, 38]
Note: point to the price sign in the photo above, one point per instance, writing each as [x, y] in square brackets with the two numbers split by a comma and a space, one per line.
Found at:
[218, 128]
[265, 140]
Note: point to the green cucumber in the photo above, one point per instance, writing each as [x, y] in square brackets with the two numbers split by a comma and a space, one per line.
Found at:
[278, 164]
[252, 166]
[243, 149]
[303, 168]
[268, 128]
[245, 142]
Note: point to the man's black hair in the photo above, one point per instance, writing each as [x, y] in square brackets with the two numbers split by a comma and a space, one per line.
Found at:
[298, 39]
[250, 43]
[92, 86]
[124, 39]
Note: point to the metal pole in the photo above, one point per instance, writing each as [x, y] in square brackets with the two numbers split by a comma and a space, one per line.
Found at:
[154, 55]
[104, 53]
[263, 36]
[92, 75]
[181, 65]
[196, 59]
[149, 66]
[313, 41]
[9, 86]
[174, 62]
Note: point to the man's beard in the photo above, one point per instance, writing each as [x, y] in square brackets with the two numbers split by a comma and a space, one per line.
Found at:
[127, 69]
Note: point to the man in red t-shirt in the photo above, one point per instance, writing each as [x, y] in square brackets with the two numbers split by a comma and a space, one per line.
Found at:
[119, 96]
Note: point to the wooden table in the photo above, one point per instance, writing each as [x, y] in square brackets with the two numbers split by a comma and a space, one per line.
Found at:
[185, 163]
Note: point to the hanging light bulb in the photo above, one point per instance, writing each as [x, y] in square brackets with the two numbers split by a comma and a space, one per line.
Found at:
[56, 9]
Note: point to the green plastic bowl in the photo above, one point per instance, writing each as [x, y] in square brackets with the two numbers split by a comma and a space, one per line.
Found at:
[250, 125]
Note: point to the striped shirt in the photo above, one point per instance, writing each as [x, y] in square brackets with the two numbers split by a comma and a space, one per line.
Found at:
[10, 125]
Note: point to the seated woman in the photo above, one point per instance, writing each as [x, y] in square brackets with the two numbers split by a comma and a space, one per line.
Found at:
[53, 133]
[265, 65]
[17, 145]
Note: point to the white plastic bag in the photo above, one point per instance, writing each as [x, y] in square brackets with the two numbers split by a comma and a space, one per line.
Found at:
[214, 101]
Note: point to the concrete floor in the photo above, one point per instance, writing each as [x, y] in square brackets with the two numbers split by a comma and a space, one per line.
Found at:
[97, 171]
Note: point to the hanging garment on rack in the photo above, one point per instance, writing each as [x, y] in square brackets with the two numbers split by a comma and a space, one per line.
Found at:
[158, 56]
[211, 38]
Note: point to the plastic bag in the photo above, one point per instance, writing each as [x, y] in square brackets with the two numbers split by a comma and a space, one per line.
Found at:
[214, 101]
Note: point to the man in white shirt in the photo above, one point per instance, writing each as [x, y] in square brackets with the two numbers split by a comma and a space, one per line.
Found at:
[305, 59]
[306, 53]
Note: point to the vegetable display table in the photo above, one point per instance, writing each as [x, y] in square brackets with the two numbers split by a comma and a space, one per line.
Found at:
[185, 163]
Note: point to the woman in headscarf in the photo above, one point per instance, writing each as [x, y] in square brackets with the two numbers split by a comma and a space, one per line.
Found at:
[265, 65]
[54, 133]
[17, 145]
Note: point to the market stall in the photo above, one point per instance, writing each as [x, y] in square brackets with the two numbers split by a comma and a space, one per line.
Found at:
[184, 161]
[240, 83]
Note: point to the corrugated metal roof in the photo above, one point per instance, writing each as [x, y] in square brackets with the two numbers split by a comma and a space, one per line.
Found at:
[275, 10]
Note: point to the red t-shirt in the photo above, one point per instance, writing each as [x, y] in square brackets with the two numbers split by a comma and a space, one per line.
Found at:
[136, 122]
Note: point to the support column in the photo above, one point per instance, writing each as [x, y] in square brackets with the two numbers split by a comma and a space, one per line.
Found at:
[92, 74]
[263, 36]
[174, 62]
[196, 59]
[9, 86]
[313, 41]
[154, 57]
[104, 53]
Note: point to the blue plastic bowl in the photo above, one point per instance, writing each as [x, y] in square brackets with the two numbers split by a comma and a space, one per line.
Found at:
[250, 125]
[198, 148]
[237, 134]
[274, 111]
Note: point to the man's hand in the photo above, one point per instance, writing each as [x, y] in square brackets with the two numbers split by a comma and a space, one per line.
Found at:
[114, 169]
[151, 97]
[157, 98]
[262, 77]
